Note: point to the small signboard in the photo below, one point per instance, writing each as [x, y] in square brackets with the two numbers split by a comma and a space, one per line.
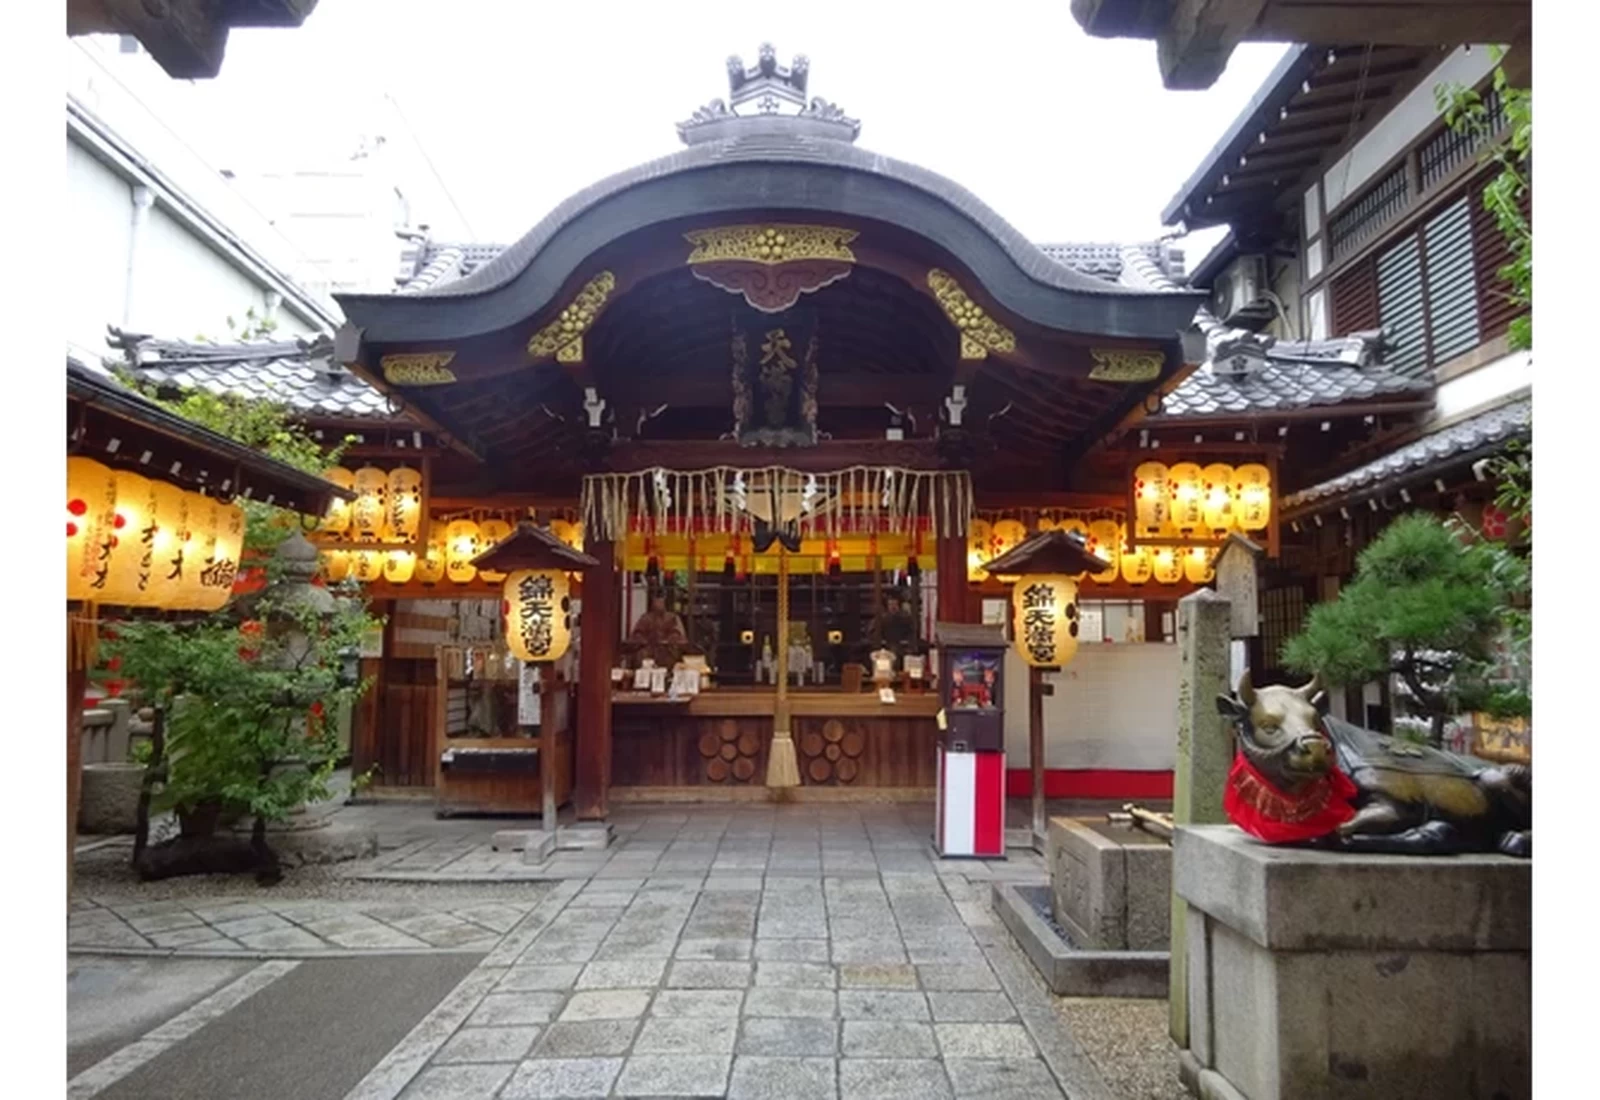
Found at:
[528, 710]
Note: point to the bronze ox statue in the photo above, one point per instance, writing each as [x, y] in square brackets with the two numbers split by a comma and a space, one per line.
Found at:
[1407, 798]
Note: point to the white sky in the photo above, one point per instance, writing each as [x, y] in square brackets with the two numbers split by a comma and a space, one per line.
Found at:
[519, 104]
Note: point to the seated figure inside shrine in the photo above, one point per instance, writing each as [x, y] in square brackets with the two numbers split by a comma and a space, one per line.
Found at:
[894, 629]
[659, 635]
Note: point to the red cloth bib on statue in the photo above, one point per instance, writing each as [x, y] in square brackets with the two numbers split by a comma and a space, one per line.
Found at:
[1266, 813]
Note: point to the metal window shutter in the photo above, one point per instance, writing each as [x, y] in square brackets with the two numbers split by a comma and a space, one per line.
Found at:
[1400, 305]
[1452, 285]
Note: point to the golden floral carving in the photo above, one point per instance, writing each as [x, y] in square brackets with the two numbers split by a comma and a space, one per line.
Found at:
[1124, 366]
[563, 337]
[771, 244]
[423, 368]
[980, 333]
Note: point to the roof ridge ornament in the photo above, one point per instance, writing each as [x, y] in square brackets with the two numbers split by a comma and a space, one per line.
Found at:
[768, 91]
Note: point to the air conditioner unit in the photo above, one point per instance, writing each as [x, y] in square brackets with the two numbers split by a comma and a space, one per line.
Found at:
[1240, 292]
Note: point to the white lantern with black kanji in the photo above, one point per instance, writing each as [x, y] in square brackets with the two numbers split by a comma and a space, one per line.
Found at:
[221, 566]
[399, 566]
[369, 515]
[1216, 487]
[537, 609]
[431, 562]
[1046, 619]
[404, 519]
[1186, 482]
[336, 520]
[91, 513]
[1152, 515]
[133, 536]
[1105, 543]
[170, 565]
[462, 544]
[1136, 563]
[1252, 489]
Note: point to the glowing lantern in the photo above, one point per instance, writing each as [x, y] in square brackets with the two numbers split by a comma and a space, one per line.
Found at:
[221, 565]
[370, 512]
[335, 565]
[1137, 564]
[568, 532]
[491, 533]
[1105, 543]
[1151, 492]
[1197, 565]
[1166, 564]
[1216, 485]
[1008, 535]
[1252, 488]
[168, 568]
[336, 520]
[404, 518]
[91, 513]
[131, 558]
[430, 566]
[198, 549]
[367, 565]
[461, 546]
[537, 609]
[1188, 498]
[1046, 615]
[979, 549]
[398, 565]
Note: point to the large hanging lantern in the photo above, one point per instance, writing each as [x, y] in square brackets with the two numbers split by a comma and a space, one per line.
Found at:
[366, 566]
[979, 548]
[404, 517]
[1008, 535]
[131, 557]
[1252, 488]
[1105, 543]
[336, 520]
[170, 564]
[568, 532]
[491, 533]
[1188, 497]
[1152, 499]
[1136, 563]
[398, 566]
[1166, 564]
[461, 546]
[1216, 487]
[91, 513]
[221, 566]
[335, 565]
[370, 513]
[1197, 565]
[204, 516]
[1046, 615]
[537, 611]
[430, 565]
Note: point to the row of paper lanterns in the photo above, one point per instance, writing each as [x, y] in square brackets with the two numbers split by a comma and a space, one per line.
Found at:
[448, 556]
[387, 506]
[1211, 501]
[134, 541]
[1107, 539]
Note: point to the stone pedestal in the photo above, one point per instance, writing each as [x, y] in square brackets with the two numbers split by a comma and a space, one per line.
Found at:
[1329, 976]
[1110, 885]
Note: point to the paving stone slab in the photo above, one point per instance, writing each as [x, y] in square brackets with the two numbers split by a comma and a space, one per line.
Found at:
[607, 1004]
[674, 1075]
[874, 952]
[679, 1034]
[622, 974]
[984, 1041]
[698, 1002]
[887, 1039]
[488, 1044]
[1002, 1079]
[770, 1036]
[792, 950]
[509, 1009]
[814, 1003]
[458, 1082]
[971, 1007]
[877, 976]
[539, 978]
[892, 1079]
[958, 978]
[758, 1078]
[877, 1004]
[735, 949]
[551, 1078]
[790, 975]
[708, 975]
[586, 1038]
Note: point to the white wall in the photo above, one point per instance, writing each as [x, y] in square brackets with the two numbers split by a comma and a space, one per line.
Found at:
[1114, 707]
[1411, 118]
[97, 233]
[1484, 386]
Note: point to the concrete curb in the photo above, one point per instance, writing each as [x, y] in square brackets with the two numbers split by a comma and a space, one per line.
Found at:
[1070, 972]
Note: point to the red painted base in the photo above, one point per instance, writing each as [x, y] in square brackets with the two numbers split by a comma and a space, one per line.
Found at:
[1103, 783]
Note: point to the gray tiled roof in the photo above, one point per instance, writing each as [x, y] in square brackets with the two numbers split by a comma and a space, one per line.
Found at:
[301, 374]
[1485, 431]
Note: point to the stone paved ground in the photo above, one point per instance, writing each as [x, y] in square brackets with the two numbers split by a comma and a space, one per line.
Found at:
[746, 951]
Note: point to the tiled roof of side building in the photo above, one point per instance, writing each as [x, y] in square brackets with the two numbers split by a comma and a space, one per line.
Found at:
[302, 374]
[1451, 445]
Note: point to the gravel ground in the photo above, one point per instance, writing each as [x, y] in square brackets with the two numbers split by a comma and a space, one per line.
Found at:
[104, 874]
[1127, 1039]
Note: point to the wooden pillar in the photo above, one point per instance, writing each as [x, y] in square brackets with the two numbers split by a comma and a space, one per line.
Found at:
[1038, 690]
[956, 604]
[601, 627]
[77, 684]
[549, 715]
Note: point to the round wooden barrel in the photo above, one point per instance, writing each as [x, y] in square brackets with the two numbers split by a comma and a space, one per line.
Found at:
[749, 744]
[853, 743]
[743, 769]
[811, 743]
[717, 770]
[847, 770]
[729, 751]
[729, 730]
[819, 770]
[833, 730]
[832, 752]
[710, 743]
